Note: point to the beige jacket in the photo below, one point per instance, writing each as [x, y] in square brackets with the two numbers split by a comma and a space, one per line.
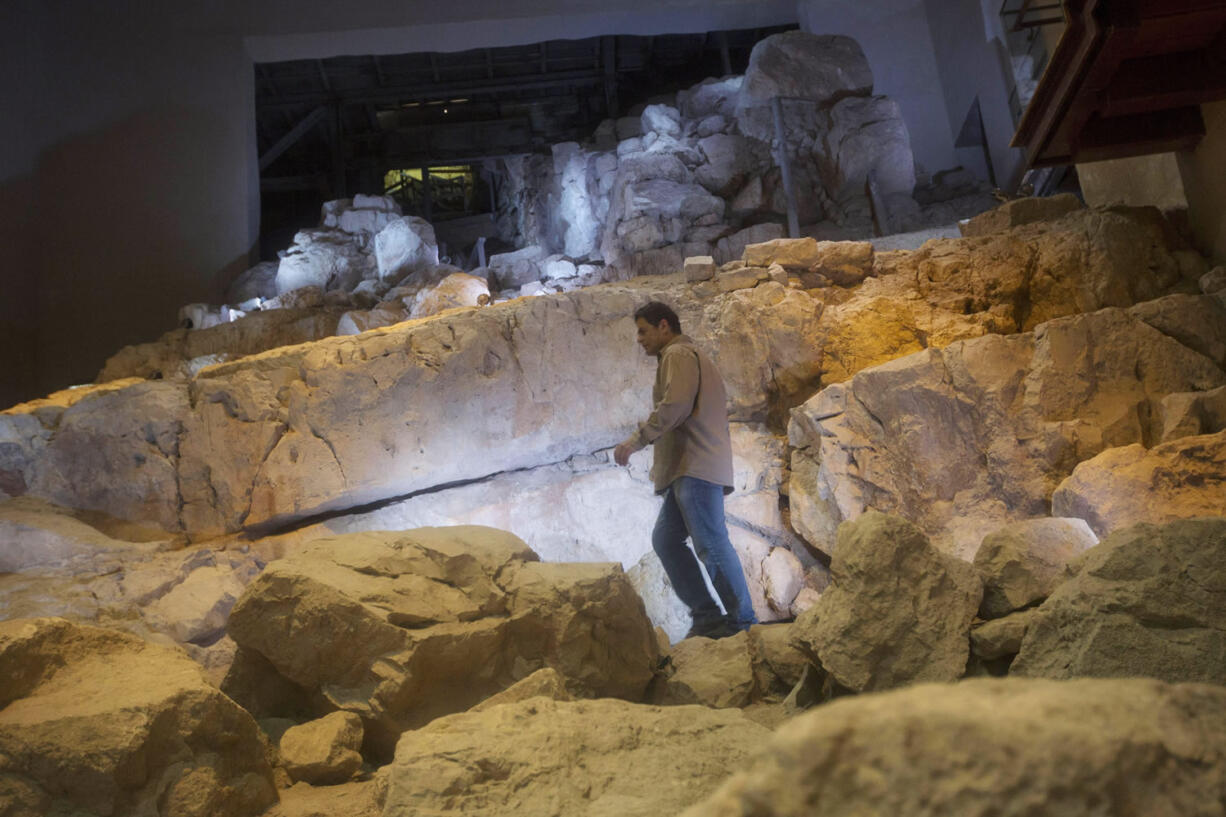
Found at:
[689, 424]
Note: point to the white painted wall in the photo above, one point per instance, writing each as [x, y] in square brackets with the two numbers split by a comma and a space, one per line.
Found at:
[971, 63]
[895, 37]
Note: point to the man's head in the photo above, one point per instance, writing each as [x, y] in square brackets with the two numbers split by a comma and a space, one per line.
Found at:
[657, 324]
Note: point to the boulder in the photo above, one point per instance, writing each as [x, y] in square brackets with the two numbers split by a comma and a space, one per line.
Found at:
[96, 722]
[324, 751]
[400, 628]
[1021, 211]
[358, 799]
[357, 321]
[711, 97]
[821, 68]
[717, 674]
[730, 160]
[1030, 747]
[1190, 414]
[968, 438]
[1001, 637]
[865, 141]
[662, 119]
[307, 297]
[842, 262]
[456, 290]
[699, 268]
[1024, 562]
[406, 245]
[258, 282]
[1213, 281]
[328, 259]
[579, 208]
[514, 269]
[520, 759]
[1145, 602]
[1126, 485]
[1197, 322]
[898, 611]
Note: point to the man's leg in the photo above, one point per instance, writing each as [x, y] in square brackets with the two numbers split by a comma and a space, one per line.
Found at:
[701, 504]
[668, 541]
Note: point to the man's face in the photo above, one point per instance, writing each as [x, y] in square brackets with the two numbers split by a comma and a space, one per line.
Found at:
[653, 338]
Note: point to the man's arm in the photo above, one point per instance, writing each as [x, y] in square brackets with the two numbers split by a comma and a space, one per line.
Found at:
[679, 370]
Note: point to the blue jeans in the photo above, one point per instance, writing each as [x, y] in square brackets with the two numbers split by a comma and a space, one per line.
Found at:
[695, 508]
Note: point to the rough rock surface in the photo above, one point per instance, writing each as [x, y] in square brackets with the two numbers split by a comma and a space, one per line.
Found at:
[456, 290]
[897, 612]
[965, 439]
[183, 352]
[1021, 211]
[403, 627]
[405, 246]
[1123, 486]
[323, 751]
[1024, 562]
[984, 748]
[1002, 637]
[541, 757]
[328, 259]
[1147, 601]
[288, 434]
[96, 722]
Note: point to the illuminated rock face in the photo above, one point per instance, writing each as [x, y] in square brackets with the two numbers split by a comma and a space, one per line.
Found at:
[400, 628]
[96, 722]
[964, 439]
[555, 757]
[1066, 747]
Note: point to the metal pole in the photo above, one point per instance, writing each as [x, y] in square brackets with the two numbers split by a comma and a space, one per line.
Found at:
[785, 165]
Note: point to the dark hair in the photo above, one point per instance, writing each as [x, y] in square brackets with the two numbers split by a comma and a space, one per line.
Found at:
[655, 312]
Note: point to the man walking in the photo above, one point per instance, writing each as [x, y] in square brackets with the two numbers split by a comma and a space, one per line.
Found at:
[692, 469]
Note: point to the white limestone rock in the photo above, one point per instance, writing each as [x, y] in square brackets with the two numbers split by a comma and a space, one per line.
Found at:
[664, 120]
[406, 245]
[733, 247]
[863, 139]
[710, 97]
[458, 289]
[728, 162]
[514, 269]
[328, 259]
[821, 68]
[258, 282]
[1021, 211]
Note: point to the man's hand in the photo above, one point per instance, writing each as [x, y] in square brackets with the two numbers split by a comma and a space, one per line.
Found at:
[621, 454]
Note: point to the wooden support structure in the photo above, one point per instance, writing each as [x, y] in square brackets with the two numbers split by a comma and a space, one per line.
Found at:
[295, 133]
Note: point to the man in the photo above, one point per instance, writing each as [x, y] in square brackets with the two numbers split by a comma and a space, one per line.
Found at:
[692, 469]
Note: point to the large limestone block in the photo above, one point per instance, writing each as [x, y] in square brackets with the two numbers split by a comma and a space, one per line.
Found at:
[965, 439]
[96, 722]
[993, 747]
[1146, 602]
[404, 246]
[1127, 485]
[898, 611]
[328, 259]
[549, 757]
[715, 673]
[1197, 322]
[1021, 211]
[732, 247]
[710, 97]
[258, 282]
[814, 67]
[1192, 414]
[37, 535]
[400, 628]
[514, 269]
[577, 210]
[1024, 562]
